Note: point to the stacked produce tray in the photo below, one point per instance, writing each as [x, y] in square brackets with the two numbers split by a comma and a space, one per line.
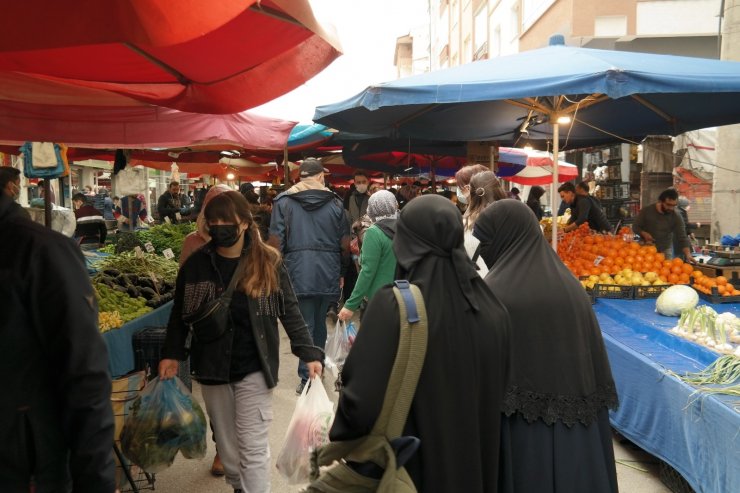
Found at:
[716, 298]
[147, 344]
[643, 292]
[614, 291]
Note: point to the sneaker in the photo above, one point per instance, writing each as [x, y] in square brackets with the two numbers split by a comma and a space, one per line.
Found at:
[299, 389]
[217, 468]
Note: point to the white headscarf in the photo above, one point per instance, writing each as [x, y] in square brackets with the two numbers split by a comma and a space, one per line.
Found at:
[382, 205]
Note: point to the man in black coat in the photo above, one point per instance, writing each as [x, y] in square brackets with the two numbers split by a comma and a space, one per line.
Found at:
[56, 422]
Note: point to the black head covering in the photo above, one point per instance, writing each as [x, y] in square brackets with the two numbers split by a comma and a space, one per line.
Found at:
[457, 403]
[429, 241]
[559, 367]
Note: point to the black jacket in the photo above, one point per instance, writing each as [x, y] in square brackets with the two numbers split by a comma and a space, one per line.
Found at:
[198, 282]
[168, 205]
[587, 209]
[56, 421]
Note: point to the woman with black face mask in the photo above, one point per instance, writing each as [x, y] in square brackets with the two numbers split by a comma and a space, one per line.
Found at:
[237, 368]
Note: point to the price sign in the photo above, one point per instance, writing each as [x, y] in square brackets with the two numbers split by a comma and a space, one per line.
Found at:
[138, 252]
[598, 260]
[168, 253]
[167, 220]
[178, 216]
[149, 247]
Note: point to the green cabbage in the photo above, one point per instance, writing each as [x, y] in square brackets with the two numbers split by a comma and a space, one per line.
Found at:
[676, 299]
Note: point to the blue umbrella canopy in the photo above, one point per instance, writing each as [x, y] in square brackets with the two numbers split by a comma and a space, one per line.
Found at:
[608, 95]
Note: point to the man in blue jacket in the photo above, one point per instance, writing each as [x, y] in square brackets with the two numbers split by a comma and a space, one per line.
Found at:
[310, 227]
[56, 421]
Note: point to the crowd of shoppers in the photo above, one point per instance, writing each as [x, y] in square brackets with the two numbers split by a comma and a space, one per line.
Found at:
[504, 389]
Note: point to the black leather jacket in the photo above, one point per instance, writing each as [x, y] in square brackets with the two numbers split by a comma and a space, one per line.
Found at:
[198, 282]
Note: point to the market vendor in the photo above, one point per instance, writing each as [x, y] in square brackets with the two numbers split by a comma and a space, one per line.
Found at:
[170, 203]
[91, 229]
[584, 208]
[661, 224]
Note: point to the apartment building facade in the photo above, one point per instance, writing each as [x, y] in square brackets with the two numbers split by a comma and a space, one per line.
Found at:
[462, 31]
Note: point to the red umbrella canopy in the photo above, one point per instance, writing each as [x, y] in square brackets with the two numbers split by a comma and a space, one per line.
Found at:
[191, 55]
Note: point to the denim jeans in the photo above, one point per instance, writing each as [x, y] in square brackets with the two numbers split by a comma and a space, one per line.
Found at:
[313, 309]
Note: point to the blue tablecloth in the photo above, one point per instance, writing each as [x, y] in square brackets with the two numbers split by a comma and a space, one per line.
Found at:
[697, 434]
[120, 350]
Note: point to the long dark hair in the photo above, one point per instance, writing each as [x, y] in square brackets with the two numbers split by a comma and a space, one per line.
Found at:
[260, 276]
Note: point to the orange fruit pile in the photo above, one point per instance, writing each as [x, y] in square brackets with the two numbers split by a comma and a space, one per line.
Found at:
[705, 284]
[586, 253]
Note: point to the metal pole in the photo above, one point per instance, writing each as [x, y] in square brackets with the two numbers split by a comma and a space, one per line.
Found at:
[434, 176]
[286, 168]
[554, 188]
[47, 202]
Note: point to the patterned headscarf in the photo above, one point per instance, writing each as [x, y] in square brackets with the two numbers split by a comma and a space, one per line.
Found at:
[382, 205]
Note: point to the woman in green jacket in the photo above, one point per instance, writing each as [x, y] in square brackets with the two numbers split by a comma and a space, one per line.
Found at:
[377, 260]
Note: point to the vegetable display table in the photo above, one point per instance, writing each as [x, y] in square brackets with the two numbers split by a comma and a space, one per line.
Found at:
[120, 349]
[696, 434]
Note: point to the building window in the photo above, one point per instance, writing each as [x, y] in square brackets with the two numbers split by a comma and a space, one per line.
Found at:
[516, 22]
[496, 41]
[480, 29]
[532, 10]
[444, 57]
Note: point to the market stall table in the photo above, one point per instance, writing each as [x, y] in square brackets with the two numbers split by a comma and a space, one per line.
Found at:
[696, 434]
[120, 349]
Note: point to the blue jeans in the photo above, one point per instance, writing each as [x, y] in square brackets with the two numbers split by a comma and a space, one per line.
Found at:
[313, 309]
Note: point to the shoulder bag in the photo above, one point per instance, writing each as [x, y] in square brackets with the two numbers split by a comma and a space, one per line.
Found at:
[212, 319]
[375, 462]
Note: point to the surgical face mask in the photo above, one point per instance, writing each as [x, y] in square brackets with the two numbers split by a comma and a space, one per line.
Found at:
[224, 235]
[461, 197]
[361, 188]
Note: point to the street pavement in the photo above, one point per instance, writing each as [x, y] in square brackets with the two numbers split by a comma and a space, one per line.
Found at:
[636, 470]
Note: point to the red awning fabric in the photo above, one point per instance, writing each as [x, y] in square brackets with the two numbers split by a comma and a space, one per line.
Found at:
[195, 56]
[245, 171]
[139, 127]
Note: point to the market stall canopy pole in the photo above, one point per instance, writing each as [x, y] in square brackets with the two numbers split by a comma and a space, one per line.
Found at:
[190, 55]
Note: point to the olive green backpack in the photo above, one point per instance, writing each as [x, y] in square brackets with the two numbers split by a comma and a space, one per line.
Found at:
[376, 447]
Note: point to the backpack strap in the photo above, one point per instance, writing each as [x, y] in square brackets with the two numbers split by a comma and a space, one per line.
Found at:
[399, 394]
[412, 347]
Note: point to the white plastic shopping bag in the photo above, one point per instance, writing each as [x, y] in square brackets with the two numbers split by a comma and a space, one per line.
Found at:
[337, 348]
[308, 429]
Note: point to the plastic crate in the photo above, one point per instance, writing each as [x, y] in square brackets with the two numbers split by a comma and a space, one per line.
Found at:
[614, 291]
[642, 292]
[673, 480]
[716, 298]
[148, 343]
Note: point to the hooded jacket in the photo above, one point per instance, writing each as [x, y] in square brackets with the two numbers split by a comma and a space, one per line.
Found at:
[311, 230]
[56, 421]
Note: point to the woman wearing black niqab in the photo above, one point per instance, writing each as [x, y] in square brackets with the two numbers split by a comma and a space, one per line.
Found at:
[459, 396]
[555, 434]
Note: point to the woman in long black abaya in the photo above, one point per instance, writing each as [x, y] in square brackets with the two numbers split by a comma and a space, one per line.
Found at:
[555, 433]
[459, 396]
